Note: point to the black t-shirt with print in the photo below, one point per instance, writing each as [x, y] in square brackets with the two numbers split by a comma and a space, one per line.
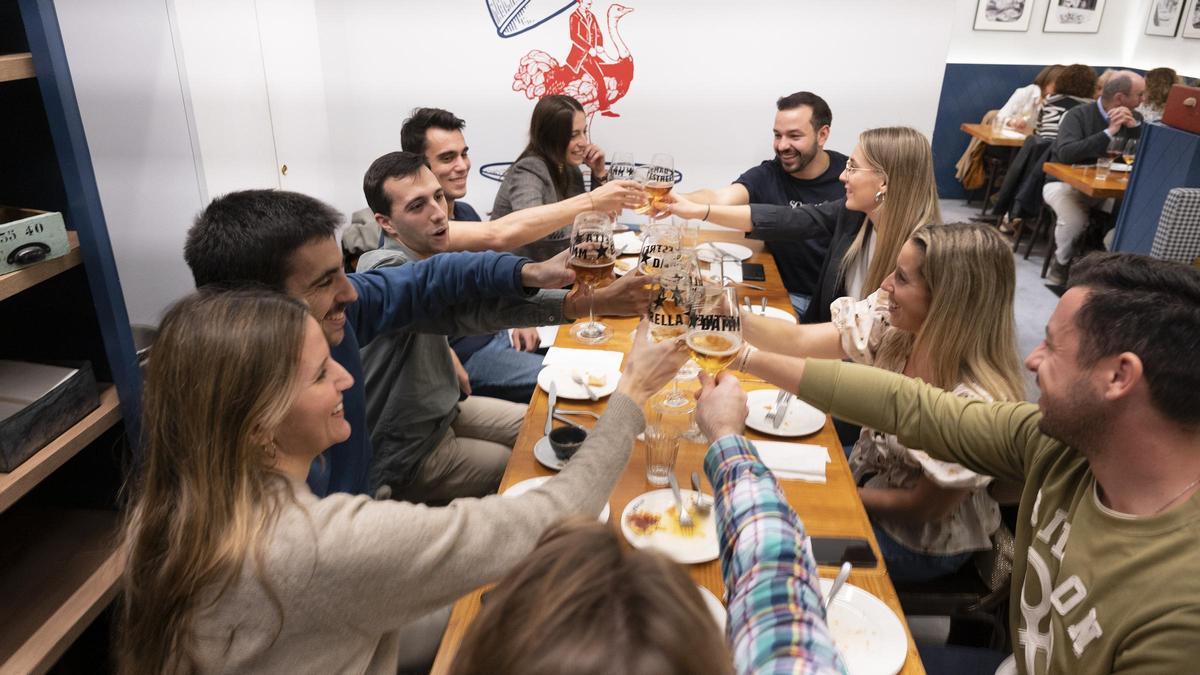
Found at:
[799, 261]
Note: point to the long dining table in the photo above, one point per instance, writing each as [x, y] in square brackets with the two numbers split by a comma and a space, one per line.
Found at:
[832, 509]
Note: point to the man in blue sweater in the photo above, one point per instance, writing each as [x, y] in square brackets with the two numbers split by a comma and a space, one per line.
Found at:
[287, 241]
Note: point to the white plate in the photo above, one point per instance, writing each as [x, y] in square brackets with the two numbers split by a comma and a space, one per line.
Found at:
[706, 253]
[567, 388]
[773, 313]
[866, 631]
[702, 546]
[627, 243]
[543, 452]
[529, 484]
[714, 607]
[624, 266]
[801, 419]
[1122, 168]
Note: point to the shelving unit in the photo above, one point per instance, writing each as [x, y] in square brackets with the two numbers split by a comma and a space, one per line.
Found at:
[59, 564]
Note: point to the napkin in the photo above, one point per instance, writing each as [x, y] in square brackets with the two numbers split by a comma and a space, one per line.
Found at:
[627, 242]
[597, 360]
[547, 334]
[794, 461]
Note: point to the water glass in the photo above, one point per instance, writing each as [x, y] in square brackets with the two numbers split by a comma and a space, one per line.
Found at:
[1103, 167]
[662, 446]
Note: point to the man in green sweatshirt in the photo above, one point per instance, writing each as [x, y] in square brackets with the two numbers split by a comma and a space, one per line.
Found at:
[1108, 532]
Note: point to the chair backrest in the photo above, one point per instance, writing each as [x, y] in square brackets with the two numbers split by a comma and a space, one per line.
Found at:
[1178, 234]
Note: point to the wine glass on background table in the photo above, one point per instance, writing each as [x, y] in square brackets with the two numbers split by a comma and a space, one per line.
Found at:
[1104, 164]
[715, 328]
[1128, 153]
[660, 180]
[592, 258]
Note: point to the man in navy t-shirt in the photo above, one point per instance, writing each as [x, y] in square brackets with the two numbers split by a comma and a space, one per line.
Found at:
[803, 172]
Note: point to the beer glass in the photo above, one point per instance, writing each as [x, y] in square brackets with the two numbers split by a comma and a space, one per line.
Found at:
[621, 167]
[592, 258]
[658, 239]
[714, 333]
[660, 179]
[641, 174]
[672, 295]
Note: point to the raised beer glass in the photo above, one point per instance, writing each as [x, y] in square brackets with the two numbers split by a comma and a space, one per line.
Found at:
[658, 239]
[621, 167]
[714, 333]
[672, 295]
[592, 258]
[660, 179]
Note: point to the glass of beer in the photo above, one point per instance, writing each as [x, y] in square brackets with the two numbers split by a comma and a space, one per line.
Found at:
[660, 178]
[641, 174]
[621, 167]
[592, 258]
[714, 333]
[658, 239]
[670, 300]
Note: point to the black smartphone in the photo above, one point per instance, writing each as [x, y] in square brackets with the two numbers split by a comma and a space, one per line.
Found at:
[753, 272]
[836, 550]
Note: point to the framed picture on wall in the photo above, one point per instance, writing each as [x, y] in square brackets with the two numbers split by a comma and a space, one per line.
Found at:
[1191, 20]
[1073, 16]
[1164, 17]
[1003, 15]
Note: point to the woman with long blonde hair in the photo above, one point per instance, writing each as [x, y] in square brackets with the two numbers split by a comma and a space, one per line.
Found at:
[234, 565]
[945, 315]
[890, 192]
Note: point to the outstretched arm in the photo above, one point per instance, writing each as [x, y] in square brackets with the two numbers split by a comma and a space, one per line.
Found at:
[730, 195]
[820, 340]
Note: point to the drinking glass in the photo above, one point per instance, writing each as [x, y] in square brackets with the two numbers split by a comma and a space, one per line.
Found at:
[660, 179]
[621, 167]
[592, 258]
[641, 174]
[658, 239]
[1128, 154]
[1104, 164]
[670, 298]
[715, 328]
[662, 445]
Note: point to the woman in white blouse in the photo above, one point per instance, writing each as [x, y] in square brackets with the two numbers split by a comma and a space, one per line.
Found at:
[1021, 110]
[945, 315]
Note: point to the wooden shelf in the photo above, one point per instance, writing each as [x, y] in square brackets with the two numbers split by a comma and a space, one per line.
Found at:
[15, 484]
[58, 570]
[28, 277]
[16, 66]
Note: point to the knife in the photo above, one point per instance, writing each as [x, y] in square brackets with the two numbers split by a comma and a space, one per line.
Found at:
[781, 411]
[553, 391]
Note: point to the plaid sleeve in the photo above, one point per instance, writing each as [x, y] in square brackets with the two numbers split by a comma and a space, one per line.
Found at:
[776, 622]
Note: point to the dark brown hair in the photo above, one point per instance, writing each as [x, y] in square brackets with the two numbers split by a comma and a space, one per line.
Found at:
[582, 603]
[421, 120]
[821, 115]
[550, 134]
[1047, 76]
[1076, 80]
[1158, 85]
[1150, 308]
[391, 165]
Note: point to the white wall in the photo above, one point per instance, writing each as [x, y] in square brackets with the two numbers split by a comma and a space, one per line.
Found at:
[1121, 40]
[130, 97]
[707, 74]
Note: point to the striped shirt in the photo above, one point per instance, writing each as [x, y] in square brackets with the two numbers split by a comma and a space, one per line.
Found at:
[1052, 113]
[776, 621]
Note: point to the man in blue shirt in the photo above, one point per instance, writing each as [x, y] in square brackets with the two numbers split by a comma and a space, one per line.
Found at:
[287, 241]
[802, 172]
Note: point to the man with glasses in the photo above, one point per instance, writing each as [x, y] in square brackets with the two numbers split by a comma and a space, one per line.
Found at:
[802, 172]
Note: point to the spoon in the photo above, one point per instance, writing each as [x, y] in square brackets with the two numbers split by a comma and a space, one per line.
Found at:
[838, 582]
[579, 379]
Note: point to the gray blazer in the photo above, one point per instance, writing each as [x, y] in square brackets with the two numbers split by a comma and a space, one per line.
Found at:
[528, 183]
[1082, 138]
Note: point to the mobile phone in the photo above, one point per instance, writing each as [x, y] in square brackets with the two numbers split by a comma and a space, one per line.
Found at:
[834, 551]
[753, 272]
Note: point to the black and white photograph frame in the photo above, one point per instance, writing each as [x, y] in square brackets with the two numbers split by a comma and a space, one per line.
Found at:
[1164, 17]
[1007, 15]
[1073, 16]
[1191, 20]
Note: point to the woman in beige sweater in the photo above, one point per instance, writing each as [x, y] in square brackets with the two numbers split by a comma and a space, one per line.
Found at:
[235, 566]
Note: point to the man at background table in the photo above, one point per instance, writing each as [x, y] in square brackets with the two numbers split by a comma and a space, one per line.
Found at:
[1108, 529]
[1083, 136]
[802, 172]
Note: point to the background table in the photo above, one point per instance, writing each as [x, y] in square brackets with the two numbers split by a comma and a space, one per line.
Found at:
[984, 133]
[1083, 178]
[1010, 142]
[832, 509]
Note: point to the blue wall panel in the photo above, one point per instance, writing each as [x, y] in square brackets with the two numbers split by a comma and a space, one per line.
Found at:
[1166, 158]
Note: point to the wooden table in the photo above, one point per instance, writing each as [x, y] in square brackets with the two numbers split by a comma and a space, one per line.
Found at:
[1083, 178]
[833, 509]
[984, 133]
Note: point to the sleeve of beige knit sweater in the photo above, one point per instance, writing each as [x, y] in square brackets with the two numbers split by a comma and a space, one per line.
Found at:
[379, 564]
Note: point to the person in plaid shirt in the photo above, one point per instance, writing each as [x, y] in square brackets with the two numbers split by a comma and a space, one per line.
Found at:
[768, 572]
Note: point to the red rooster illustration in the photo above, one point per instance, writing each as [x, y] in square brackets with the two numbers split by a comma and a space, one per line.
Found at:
[540, 74]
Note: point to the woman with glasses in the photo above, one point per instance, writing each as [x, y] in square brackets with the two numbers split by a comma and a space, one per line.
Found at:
[890, 192]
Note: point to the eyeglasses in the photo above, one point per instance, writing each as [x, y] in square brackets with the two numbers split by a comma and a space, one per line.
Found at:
[851, 168]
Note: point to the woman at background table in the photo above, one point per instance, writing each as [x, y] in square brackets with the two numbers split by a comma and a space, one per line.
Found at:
[548, 169]
[1021, 110]
[1074, 85]
[944, 315]
[890, 192]
[233, 565]
[1158, 84]
[585, 604]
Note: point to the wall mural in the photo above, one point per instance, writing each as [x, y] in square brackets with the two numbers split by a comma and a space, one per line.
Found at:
[597, 71]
